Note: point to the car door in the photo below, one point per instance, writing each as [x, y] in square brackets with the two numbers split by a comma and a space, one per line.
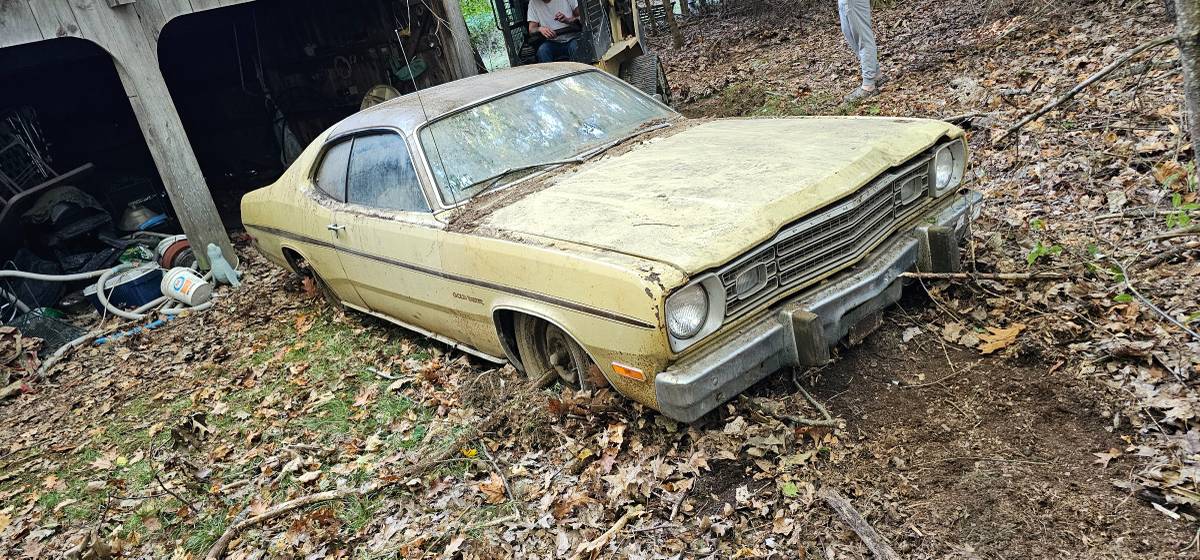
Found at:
[390, 242]
[316, 217]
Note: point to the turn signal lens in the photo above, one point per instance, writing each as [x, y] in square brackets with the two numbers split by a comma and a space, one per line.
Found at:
[630, 372]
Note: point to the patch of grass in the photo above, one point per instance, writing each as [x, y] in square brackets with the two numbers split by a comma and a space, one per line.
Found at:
[204, 534]
[391, 408]
[51, 499]
[331, 418]
[357, 512]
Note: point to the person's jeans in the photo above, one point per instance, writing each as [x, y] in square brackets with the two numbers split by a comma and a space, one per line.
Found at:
[553, 51]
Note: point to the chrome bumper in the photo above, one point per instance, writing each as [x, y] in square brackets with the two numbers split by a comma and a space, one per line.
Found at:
[800, 331]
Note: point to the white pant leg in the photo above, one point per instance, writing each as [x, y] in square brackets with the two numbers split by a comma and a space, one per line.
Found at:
[855, 17]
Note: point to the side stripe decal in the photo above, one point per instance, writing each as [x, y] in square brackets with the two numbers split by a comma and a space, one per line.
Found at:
[559, 302]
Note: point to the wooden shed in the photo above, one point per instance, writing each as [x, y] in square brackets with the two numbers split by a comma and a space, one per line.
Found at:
[211, 95]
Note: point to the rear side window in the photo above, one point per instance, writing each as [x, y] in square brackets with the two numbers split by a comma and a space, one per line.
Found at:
[331, 176]
[382, 175]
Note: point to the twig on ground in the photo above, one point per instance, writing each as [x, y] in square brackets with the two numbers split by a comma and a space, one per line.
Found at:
[1187, 231]
[588, 548]
[874, 541]
[498, 470]
[985, 275]
[678, 502]
[1145, 301]
[381, 373]
[150, 458]
[1121, 61]
[1167, 255]
[827, 421]
[493, 522]
[491, 421]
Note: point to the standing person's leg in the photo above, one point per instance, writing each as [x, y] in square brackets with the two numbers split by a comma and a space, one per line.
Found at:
[855, 16]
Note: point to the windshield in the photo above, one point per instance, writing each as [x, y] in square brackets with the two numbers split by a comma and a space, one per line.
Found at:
[554, 121]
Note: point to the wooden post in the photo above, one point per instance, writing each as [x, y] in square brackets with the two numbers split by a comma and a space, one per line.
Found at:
[119, 31]
[458, 42]
[1187, 21]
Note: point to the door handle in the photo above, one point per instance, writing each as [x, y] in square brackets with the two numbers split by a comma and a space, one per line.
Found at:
[335, 227]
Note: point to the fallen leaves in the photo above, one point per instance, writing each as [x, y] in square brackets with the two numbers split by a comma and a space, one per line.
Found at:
[492, 489]
[999, 338]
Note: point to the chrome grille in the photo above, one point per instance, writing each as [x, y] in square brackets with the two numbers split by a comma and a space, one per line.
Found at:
[830, 238]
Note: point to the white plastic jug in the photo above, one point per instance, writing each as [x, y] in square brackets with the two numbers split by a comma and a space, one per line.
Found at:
[182, 284]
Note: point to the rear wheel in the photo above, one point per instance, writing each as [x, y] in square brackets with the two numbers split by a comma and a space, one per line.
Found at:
[550, 355]
[646, 73]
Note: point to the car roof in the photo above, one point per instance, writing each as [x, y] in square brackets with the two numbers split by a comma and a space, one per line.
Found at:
[410, 111]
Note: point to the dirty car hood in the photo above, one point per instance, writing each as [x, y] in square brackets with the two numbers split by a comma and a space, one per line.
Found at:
[702, 196]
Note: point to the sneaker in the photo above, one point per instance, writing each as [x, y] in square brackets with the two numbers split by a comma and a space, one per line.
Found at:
[860, 94]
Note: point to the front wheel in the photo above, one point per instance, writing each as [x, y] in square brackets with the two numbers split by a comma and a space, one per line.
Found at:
[550, 355]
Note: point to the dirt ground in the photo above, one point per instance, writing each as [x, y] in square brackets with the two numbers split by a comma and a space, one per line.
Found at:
[153, 446]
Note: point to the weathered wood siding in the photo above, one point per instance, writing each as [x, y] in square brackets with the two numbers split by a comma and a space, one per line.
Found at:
[129, 33]
[26, 21]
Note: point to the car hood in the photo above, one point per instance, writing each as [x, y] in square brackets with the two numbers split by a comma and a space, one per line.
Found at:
[709, 192]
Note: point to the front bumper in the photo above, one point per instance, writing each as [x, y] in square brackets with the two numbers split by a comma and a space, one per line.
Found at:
[800, 331]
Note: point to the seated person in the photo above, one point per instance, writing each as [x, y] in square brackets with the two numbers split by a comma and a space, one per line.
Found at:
[558, 22]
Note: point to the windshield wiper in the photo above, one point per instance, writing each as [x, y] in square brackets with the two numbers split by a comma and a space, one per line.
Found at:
[491, 181]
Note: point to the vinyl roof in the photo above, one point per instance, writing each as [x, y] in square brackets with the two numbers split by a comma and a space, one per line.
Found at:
[410, 111]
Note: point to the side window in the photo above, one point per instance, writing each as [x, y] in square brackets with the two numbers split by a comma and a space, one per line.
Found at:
[382, 175]
[331, 176]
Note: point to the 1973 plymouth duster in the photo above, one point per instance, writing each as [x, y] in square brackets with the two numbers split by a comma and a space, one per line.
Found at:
[556, 218]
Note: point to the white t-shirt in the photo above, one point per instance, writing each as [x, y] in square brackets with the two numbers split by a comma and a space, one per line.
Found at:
[543, 12]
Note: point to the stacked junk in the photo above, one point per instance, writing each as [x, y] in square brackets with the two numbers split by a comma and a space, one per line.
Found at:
[77, 265]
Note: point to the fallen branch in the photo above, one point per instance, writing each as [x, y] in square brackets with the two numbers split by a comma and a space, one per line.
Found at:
[874, 541]
[1187, 231]
[1088, 82]
[1168, 254]
[985, 275]
[1128, 282]
[218, 548]
[602, 540]
[828, 421]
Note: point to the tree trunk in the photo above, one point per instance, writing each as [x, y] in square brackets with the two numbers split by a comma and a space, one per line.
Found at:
[676, 34]
[652, 18]
[1187, 18]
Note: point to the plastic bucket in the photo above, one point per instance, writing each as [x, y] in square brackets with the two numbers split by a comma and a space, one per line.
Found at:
[182, 284]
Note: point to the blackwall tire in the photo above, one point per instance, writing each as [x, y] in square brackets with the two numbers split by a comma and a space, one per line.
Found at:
[550, 355]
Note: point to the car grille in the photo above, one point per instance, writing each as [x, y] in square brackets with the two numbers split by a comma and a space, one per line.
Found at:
[828, 239]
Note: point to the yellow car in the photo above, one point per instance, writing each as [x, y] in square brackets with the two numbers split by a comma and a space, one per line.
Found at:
[555, 217]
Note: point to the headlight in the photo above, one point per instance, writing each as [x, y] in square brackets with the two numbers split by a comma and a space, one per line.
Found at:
[949, 163]
[686, 311]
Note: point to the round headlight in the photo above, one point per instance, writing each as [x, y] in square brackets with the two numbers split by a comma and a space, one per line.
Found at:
[949, 163]
[686, 311]
[943, 168]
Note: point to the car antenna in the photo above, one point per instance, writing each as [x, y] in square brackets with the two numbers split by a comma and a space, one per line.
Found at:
[420, 101]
